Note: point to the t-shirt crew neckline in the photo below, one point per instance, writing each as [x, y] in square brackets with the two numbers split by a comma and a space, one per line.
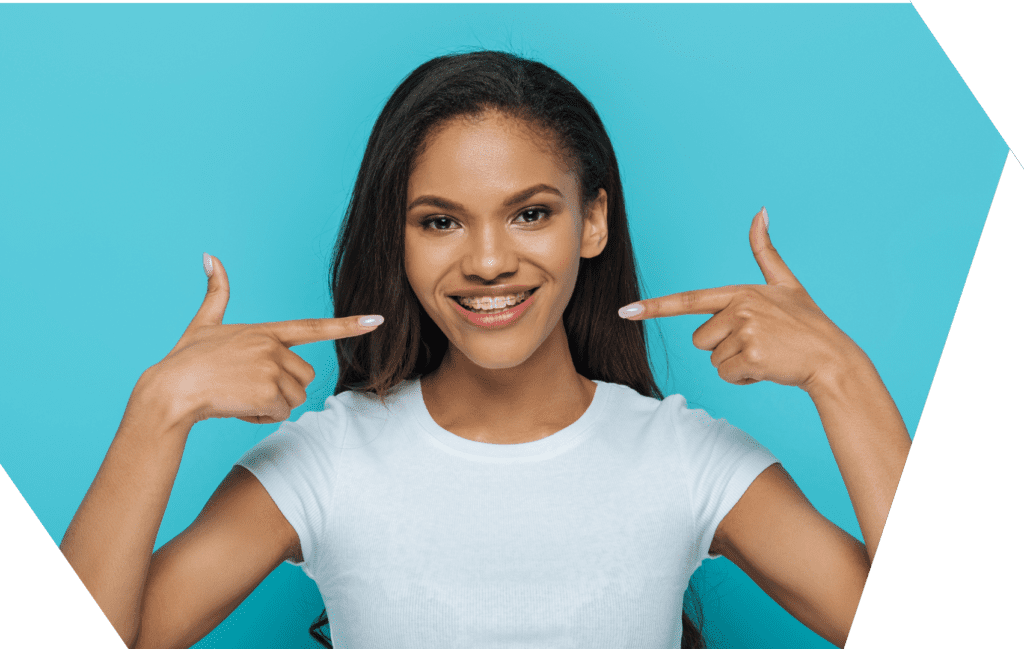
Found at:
[536, 450]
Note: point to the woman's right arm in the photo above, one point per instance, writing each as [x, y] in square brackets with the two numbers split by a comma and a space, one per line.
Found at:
[176, 596]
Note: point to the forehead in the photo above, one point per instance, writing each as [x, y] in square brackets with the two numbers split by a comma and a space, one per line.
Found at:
[488, 155]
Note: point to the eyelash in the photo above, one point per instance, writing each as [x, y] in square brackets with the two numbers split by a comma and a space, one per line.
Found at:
[427, 222]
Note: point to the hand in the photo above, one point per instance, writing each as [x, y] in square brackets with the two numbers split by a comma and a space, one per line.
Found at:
[760, 332]
[242, 370]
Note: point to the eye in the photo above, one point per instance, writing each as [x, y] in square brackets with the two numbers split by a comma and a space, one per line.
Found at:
[534, 214]
[437, 223]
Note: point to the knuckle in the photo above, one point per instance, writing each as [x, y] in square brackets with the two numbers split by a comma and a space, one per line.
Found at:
[268, 393]
[269, 344]
[314, 325]
[259, 334]
[268, 368]
[283, 410]
[746, 301]
[256, 342]
[309, 373]
[753, 355]
[744, 312]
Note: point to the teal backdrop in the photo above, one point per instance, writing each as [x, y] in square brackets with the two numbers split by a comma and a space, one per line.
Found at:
[135, 137]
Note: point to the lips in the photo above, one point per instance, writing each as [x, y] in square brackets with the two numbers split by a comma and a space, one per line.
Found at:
[496, 319]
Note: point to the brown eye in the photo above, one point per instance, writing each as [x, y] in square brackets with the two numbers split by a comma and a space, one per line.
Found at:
[438, 223]
[535, 214]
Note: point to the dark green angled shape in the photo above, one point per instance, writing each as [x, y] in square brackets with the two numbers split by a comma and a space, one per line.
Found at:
[949, 564]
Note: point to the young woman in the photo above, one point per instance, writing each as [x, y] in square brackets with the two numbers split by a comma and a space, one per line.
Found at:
[497, 466]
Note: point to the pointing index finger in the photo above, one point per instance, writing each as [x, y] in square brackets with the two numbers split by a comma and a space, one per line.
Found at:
[311, 330]
[706, 300]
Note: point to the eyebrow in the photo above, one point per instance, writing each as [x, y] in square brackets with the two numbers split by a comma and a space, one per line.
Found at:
[452, 206]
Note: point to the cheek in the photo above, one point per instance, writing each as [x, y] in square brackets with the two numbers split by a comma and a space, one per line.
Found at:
[560, 252]
[417, 268]
[425, 265]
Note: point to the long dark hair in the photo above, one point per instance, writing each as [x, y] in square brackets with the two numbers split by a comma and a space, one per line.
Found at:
[367, 273]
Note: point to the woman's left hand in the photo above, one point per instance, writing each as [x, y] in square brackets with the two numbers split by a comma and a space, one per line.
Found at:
[761, 332]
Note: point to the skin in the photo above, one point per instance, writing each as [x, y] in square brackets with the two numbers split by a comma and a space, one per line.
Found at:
[507, 386]
[775, 332]
[513, 385]
[177, 595]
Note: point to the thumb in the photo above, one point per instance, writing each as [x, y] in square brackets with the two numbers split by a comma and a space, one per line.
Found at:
[767, 257]
[211, 312]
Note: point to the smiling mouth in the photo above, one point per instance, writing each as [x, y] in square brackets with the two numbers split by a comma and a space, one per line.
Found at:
[492, 305]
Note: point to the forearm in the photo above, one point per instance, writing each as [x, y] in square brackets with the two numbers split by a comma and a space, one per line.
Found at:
[110, 540]
[868, 438]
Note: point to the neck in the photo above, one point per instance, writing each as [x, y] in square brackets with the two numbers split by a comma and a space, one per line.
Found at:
[530, 401]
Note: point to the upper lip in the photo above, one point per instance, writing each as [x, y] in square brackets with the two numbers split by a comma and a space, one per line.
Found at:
[491, 291]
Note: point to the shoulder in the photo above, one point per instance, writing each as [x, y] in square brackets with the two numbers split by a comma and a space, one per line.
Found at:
[619, 397]
[300, 463]
[347, 413]
[693, 430]
[625, 403]
[633, 419]
[365, 414]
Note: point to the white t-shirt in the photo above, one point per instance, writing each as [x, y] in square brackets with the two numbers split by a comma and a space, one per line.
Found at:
[417, 537]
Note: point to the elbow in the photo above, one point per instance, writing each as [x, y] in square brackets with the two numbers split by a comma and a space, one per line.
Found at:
[841, 637]
[130, 637]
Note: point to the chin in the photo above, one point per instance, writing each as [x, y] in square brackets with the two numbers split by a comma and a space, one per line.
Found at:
[497, 359]
[496, 362]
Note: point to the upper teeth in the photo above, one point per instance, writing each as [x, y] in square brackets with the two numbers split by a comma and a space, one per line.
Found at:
[492, 302]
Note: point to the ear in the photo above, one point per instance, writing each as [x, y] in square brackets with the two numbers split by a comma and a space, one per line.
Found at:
[595, 226]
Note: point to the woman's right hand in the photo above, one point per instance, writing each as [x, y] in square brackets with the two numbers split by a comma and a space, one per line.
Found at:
[245, 371]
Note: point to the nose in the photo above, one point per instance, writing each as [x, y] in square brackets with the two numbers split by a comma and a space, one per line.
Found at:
[491, 252]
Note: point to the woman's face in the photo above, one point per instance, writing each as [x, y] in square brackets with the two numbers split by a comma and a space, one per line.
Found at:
[494, 234]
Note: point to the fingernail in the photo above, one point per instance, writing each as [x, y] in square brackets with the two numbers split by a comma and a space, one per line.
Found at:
[631, 310]
[764, 215]
[208, 264]
[370, 320]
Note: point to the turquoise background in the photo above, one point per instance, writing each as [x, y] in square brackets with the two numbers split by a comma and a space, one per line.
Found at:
[135, 137]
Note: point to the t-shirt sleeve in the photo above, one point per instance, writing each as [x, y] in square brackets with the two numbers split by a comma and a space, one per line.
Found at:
[296, 464]
[722, 461]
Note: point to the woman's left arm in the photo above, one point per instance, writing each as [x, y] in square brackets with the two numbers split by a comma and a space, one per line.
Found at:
[776, 332]
[806, 563]
[868, 438]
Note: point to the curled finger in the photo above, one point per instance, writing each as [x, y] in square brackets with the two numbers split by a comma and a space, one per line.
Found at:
[276, 411]
[737, 370]
[292, 392]
[295, 365]
[710, 335]
[725, 350]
